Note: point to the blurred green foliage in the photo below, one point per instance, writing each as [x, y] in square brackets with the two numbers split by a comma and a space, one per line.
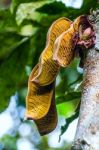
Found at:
[23, 28]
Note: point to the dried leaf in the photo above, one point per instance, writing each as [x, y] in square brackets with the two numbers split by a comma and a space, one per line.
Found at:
[66, 42]
[38, 99]
[48, 123]
[48, 68]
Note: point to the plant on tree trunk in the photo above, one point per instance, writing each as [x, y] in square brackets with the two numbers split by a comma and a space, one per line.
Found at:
[65, 39]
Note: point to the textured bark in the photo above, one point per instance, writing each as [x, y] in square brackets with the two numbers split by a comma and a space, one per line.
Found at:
[87, 134]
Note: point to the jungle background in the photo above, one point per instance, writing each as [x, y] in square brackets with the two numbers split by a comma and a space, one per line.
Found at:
[23, 28]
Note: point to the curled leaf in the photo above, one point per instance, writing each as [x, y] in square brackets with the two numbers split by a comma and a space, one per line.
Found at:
[62, 41]
[64, 47]
[65, 44]
[48, 68]
[38, 99]
[48, 123]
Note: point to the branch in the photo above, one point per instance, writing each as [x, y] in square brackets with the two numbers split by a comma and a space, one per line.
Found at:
[87, 134]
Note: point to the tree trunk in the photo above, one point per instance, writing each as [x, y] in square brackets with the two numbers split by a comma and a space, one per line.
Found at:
[87, 134]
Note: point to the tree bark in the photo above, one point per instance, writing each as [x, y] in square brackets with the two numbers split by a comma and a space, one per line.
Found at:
[87, 134]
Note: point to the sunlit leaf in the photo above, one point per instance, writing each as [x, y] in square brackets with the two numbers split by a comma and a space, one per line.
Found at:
[28, 30]
[28, 11]
[68, 97]
[15, 4]
[48, 68]
[65, 44]
[67, 109]
[38, 99]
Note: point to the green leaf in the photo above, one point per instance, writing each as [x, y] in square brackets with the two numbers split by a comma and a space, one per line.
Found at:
[7, 22]
[28, 30]
[68, 121]
[15, 4]
[68, 97]
[67, 109]
[12, 72]
[89, 4]
[8, 42]
[28, 11]
[53, 8]
[68, 80]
